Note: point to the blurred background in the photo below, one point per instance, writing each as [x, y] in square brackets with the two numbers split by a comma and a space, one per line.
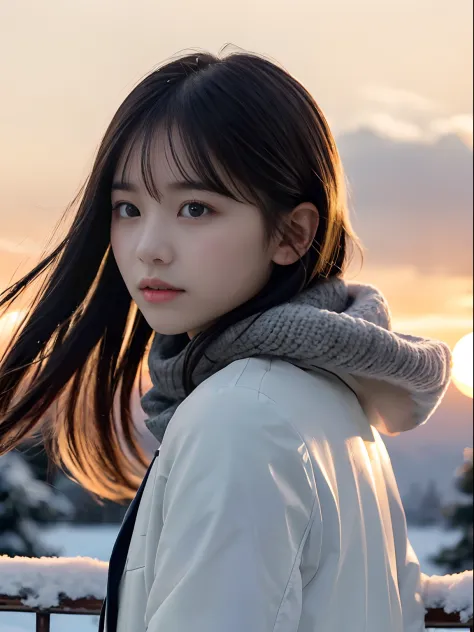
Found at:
[395, 81]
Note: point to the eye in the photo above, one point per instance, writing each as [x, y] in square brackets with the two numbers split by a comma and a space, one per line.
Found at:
[126, 210]
[195, 210]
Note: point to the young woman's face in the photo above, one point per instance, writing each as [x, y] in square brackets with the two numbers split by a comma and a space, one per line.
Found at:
[210, 247]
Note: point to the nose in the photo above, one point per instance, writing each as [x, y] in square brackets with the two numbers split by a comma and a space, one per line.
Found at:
[154, 245]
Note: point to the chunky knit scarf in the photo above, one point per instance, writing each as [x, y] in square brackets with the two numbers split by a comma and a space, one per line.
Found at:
[340, 327]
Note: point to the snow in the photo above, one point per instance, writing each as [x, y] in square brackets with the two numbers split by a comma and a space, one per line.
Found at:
[426, 541]
[94, 544]
[453, 593]
[44, 579]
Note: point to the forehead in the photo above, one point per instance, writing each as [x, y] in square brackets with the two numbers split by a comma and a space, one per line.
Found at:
[160, 158]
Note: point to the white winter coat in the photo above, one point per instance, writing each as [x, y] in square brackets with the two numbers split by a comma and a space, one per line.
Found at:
[272, 507]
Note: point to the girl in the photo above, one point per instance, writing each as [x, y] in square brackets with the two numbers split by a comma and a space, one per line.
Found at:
[214, 224]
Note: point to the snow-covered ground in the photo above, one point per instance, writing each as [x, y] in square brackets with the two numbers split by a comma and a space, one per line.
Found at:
[97, 542]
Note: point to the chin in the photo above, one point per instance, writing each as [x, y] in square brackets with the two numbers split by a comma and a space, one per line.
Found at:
[171, 325]
[163, 323]
[167, 329]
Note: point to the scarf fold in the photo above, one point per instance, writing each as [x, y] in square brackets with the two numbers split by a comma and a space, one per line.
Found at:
[334, 325]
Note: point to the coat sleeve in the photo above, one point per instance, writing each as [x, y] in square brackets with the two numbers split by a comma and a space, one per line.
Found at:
[408, 566]
[410, 586]
[238, 504]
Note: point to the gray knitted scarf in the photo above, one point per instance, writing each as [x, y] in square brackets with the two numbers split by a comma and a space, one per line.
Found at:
[333, 325]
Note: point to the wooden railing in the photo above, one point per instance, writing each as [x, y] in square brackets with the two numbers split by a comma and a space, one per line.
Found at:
[434, 618]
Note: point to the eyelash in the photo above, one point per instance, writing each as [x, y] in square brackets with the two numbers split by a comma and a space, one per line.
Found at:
[116, 207]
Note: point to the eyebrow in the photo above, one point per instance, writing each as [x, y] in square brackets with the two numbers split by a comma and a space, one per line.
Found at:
[180, 185]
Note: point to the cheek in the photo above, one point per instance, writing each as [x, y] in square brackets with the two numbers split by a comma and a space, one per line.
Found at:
[113, 237]
[118, 244]
[236, 254]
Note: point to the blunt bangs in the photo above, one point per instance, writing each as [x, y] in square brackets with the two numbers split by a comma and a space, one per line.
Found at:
[195, 151]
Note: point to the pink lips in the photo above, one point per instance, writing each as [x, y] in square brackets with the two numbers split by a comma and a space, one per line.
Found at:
[159, 296]
[157, 291]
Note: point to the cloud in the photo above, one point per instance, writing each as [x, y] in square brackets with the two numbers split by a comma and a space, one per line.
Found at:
[461, 125]
[428, 131]
[387, 125]
[406, 116]
[412, 201]
[400, 99]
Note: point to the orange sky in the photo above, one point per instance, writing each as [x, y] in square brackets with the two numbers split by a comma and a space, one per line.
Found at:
[401, 70]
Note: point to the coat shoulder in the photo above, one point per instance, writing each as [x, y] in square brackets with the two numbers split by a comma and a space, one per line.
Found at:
[233, 402]
[249, 392]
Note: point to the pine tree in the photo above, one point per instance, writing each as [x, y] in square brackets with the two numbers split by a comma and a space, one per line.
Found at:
[411, 503]
[460, 556]
[26, 504]
[33, 452]
[430, 510]
[423, 507]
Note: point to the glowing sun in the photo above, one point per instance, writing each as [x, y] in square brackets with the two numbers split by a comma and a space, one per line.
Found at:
[463, 365]
[9, 322]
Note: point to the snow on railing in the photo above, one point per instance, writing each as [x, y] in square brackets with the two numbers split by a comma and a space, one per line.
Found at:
[41, 582]
[450, 593]
[77, 585]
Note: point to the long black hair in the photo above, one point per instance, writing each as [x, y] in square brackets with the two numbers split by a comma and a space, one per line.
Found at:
[250, 131]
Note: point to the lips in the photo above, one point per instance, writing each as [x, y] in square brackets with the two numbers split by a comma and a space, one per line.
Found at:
[157, 284]
[161, 288]
[152, 295]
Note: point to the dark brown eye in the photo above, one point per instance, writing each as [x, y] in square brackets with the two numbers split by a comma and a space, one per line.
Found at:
[126, 210]
[194, 210]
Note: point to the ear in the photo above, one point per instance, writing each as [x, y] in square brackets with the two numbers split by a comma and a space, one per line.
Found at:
[298, 235]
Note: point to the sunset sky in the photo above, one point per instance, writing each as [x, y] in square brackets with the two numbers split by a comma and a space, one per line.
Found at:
[393, 77]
